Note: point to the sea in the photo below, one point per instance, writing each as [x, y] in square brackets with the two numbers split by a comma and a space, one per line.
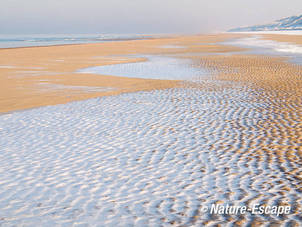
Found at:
[13, 41]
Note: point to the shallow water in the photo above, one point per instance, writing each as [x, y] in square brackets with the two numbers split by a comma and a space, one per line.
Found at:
[155, 67]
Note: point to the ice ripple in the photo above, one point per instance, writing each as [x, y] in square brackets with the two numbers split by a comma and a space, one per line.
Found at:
[147, 158]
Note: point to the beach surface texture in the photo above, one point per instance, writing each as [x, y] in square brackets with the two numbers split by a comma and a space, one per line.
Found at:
[82, 147]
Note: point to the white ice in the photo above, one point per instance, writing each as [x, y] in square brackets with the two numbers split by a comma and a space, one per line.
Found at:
[283, 32]
[257, 42]
[6, 67]
[172, 46]
[155, 67]
[138, 159]
[50, 86]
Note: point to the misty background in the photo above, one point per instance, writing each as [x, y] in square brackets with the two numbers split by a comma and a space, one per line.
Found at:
[139, 16]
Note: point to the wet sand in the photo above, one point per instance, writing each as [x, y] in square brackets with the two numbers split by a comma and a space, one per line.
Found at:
[22, 70]
[296, 39]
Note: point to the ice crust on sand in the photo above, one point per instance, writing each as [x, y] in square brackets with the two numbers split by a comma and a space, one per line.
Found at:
[256, 41]
[155, 67]
[45, 85]
[144, 159]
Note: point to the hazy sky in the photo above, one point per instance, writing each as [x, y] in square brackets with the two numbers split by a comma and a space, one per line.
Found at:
[139, 16]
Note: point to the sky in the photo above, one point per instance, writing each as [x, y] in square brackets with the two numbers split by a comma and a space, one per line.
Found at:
[139, 16]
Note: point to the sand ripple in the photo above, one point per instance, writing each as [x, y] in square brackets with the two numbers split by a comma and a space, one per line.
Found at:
[152, 158]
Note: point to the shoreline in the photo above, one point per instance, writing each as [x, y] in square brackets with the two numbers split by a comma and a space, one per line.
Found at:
[76, 44]
[24, 68]
[92, 40]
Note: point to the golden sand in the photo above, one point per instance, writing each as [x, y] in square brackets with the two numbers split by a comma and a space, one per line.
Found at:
[23, 69]
[295, 39]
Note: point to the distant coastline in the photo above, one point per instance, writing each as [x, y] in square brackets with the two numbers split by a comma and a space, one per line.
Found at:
[293, 23]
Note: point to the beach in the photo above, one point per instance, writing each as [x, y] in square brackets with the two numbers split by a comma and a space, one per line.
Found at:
[24, 70]
[82, 147]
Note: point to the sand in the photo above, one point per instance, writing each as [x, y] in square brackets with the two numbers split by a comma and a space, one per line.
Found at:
[22, 70]
[296, 39]
[148, 159]
[157, 157]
